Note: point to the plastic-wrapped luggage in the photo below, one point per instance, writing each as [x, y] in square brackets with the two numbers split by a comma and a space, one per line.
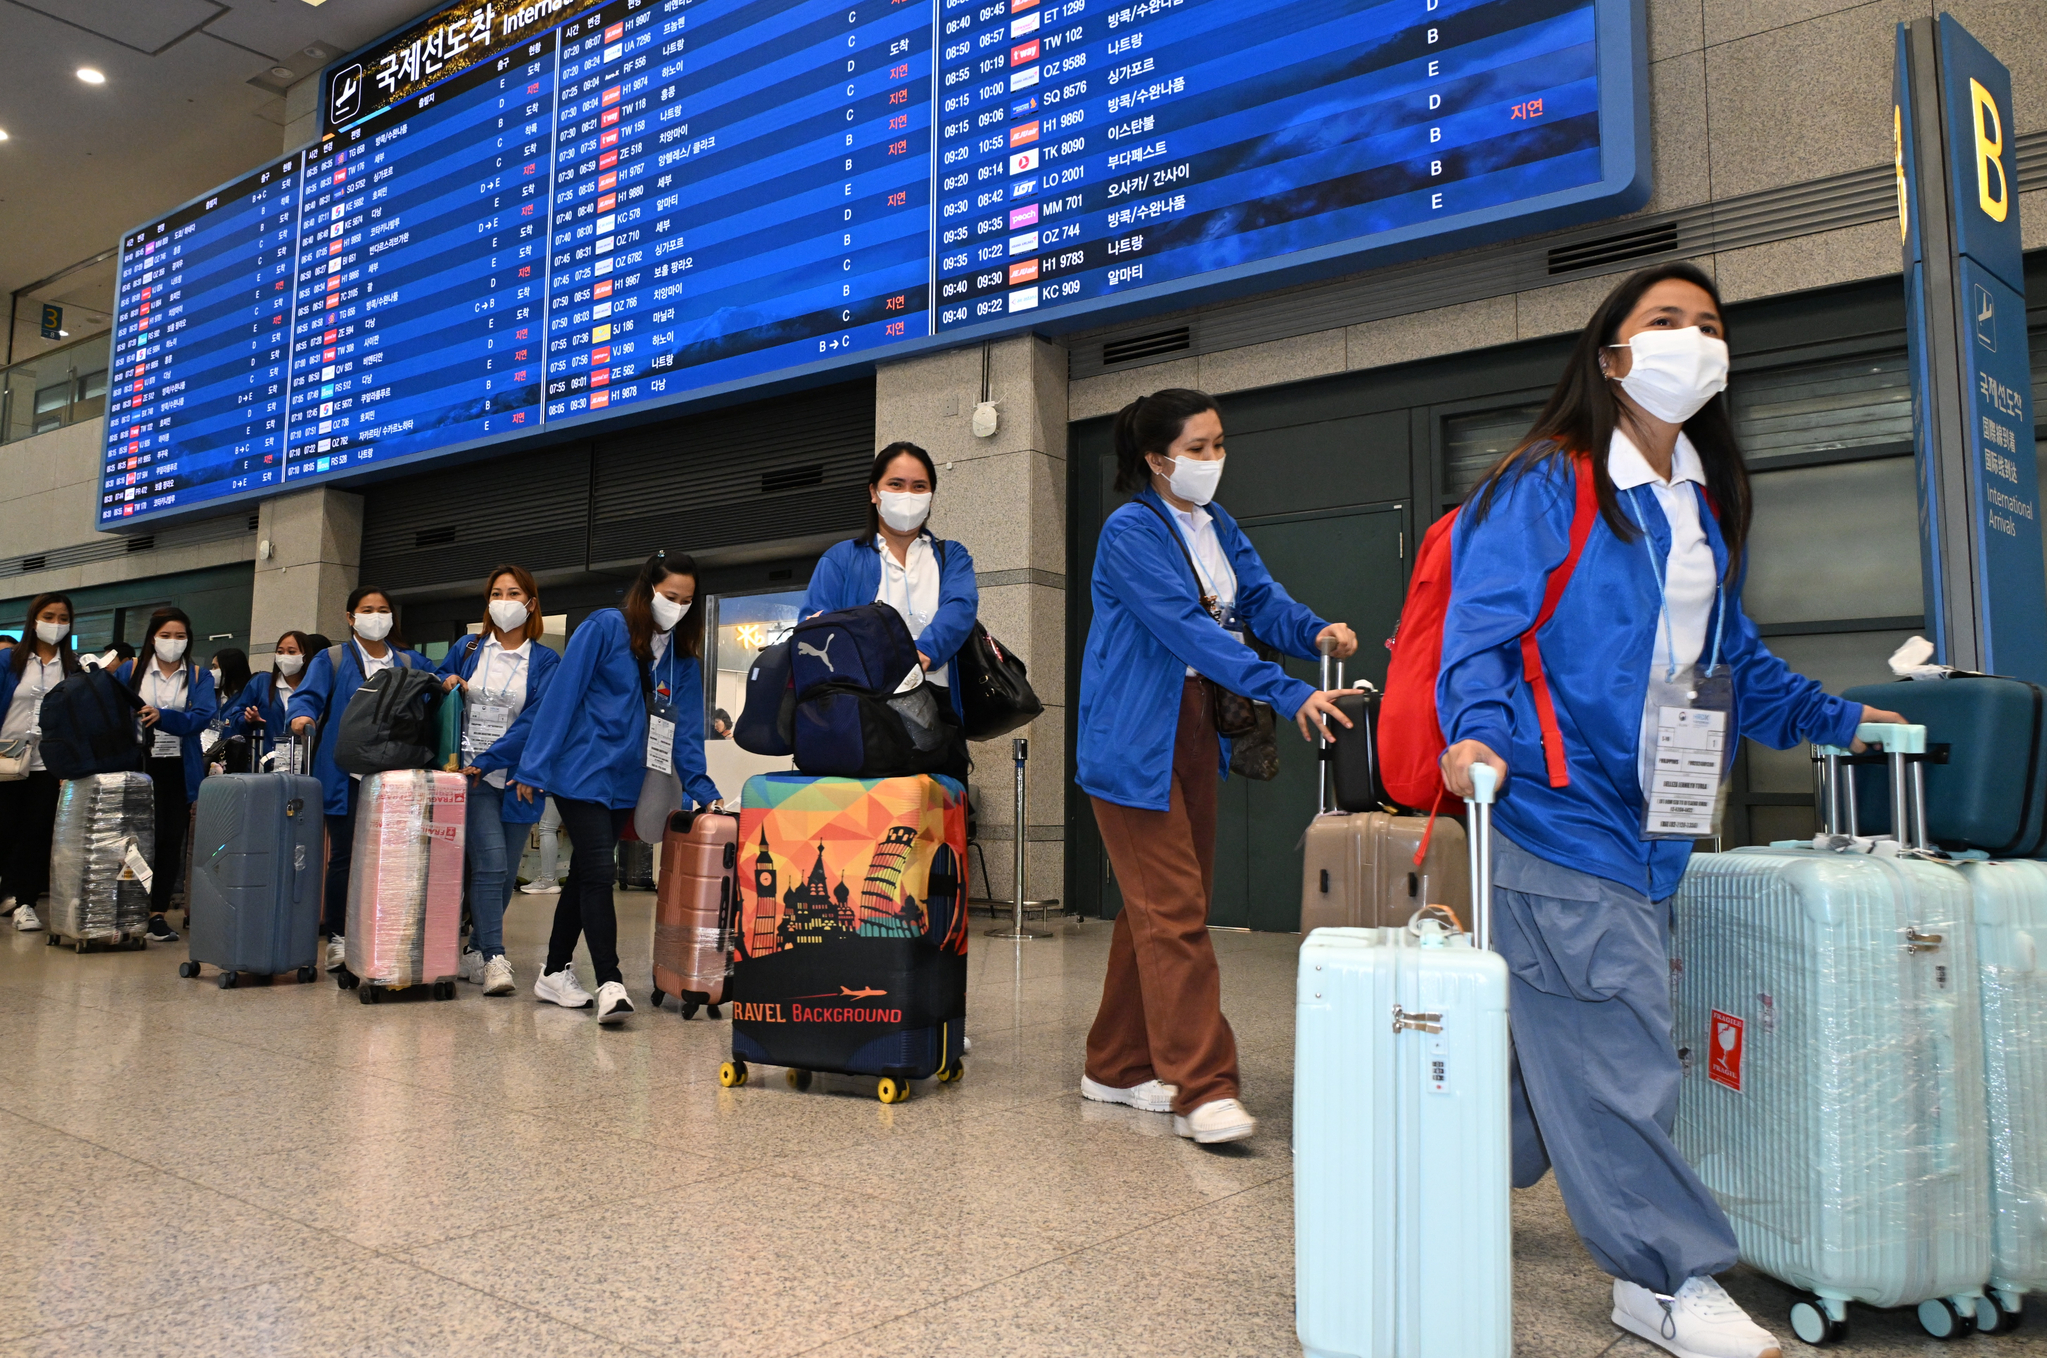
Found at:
[852, 946]
[1402, 1136]
[100, 860]
[2010, 900]
[405, 883]
[696, 909]
[255, 875]
[1829, 1019]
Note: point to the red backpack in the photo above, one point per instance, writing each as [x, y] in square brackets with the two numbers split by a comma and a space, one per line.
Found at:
[1410, 734]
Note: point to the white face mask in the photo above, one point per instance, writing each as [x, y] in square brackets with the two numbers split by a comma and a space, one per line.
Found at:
[507, 613]
[288, 665]
[667, 612]
[50, 633]
[170, 650]
[905, 513]
[1675, 372]
[373, 626]
[1194, 479]
[214, 670]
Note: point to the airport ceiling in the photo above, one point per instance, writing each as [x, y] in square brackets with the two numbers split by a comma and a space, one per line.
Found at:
[191, 99]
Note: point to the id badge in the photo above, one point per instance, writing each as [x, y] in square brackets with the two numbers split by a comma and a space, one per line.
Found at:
[661, 742]
[1686, 752]
[1232, 623]
[488, 722]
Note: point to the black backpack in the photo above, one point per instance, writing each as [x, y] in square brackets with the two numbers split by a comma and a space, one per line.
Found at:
[89, 726]
[388, 723]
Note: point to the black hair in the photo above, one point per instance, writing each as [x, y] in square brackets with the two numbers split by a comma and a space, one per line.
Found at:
[313, 643]
[1583, 413]
[67, 656]
[880, 469]
[145, 654]
[361, 592]
[639, 608]
[1151, 424]
[234, 671]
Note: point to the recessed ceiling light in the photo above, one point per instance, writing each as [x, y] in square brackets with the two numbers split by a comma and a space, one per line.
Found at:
[281, 72]
[316, 3]
[90, 76]
[3, 134]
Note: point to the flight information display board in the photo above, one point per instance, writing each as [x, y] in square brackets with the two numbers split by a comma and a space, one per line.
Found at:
[525, 215]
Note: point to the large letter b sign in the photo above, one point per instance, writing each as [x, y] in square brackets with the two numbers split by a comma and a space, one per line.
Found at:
[1989, 147]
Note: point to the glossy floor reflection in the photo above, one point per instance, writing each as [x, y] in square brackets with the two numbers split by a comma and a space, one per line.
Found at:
[278, 1169]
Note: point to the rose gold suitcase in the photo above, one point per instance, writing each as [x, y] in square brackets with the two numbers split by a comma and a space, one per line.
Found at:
[694, 907]
[1358, 870]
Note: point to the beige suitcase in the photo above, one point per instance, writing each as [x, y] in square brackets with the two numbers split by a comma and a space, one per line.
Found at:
[1358, 870]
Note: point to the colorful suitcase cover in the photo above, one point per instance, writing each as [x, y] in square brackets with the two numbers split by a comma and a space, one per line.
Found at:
[405, 879]
[2010, 899]
[696, 909]
[254, 888]
[852, 947]
[1402, 1145]
[1358, 870]
[1829, 1019]
[99, 859]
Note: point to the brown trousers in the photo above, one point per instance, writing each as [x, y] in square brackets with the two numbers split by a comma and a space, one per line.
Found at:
[1161, 1014]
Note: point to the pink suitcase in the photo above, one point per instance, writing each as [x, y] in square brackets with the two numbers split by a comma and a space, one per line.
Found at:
[405, 883]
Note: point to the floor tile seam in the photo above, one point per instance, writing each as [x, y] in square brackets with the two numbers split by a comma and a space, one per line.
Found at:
[65, 1131]
[193, 1300]
[514, 1303]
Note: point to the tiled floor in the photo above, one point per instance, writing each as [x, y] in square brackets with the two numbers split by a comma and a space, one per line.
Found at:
[281, 1170]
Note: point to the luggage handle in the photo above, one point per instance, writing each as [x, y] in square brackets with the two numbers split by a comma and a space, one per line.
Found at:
[1325, 749]
[1904, 745]
[1485, 785]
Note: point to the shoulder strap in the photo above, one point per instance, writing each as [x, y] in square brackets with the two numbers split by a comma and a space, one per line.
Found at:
[1585, 513]
[334, 654]
[1208, 601]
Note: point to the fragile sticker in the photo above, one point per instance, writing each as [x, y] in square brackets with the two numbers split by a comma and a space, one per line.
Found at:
[1723, 1066]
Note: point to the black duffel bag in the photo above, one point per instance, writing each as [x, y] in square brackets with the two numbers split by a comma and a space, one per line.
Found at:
[388, 723]
[89, 726]
[995, 693]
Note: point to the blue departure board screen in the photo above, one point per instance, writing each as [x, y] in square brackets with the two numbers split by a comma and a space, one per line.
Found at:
[528, 218]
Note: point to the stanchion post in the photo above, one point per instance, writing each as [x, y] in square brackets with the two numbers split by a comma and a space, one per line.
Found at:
[1016, 932]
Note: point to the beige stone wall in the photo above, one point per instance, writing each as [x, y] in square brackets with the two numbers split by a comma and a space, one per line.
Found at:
[314, 540]
[1004, 497]
[1745, 95]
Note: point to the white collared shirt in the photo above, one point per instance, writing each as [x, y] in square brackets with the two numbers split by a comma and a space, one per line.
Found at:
[1690, 578]
[165, 693]
[499, 678]
[1218, 577]
[912, 587]
[24, 714]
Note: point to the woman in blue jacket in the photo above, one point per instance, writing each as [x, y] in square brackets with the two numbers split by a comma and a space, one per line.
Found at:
[902, 563]
[259, 709]
[629, 696]
[1583, 871]
[332, 677]
[29, 669]
[506, 671]
[1176, 584]
[178, 705]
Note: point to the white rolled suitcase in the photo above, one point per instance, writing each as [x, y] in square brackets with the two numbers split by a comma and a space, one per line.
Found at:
[1828, 1016]
[1402, 1140]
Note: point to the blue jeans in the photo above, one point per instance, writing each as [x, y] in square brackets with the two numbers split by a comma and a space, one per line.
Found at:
[494, 850]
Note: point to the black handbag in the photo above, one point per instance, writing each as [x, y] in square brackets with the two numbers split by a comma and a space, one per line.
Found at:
[995, 693]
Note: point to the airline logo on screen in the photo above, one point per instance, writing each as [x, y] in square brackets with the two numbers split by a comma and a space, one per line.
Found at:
[446, 43]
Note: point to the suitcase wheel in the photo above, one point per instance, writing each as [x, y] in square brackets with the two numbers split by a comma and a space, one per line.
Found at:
[1997, 1312]
[347, 980]
[188, 969]
[305, 975]
[444, 990]
[370, 994]
[1811, 1322]
[798, 1079]
[891, 1090]
[732, 1074]
[50, 939]
[1943, 1319]
[712, 1011]
[689, 1008]
[656, 998]
[227, 980]
[949, 1074]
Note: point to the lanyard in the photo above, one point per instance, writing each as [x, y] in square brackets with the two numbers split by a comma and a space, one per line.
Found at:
[484, 678]
[1194, 559]
[1663, 599]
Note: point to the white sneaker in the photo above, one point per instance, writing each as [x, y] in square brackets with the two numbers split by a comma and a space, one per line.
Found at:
[543, 887]
[337, 953]
[612, 1003]
[562, 988]
[1151, 1096]
[25, 919]
[469, 966]
[497, 976]
[1215, 1122]
[1700, 1321]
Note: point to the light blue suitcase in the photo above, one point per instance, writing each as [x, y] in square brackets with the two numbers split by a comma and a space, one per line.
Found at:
[1829, 1018]
[1402, 1237]
[2010, 899]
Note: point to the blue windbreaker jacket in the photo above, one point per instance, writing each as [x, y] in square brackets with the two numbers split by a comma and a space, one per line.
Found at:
[1595, 651]
[189, 726]
[504, 752]
[1149, 627]
[588, 741]
[261, 694]
[326, 693]
[849, 574]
